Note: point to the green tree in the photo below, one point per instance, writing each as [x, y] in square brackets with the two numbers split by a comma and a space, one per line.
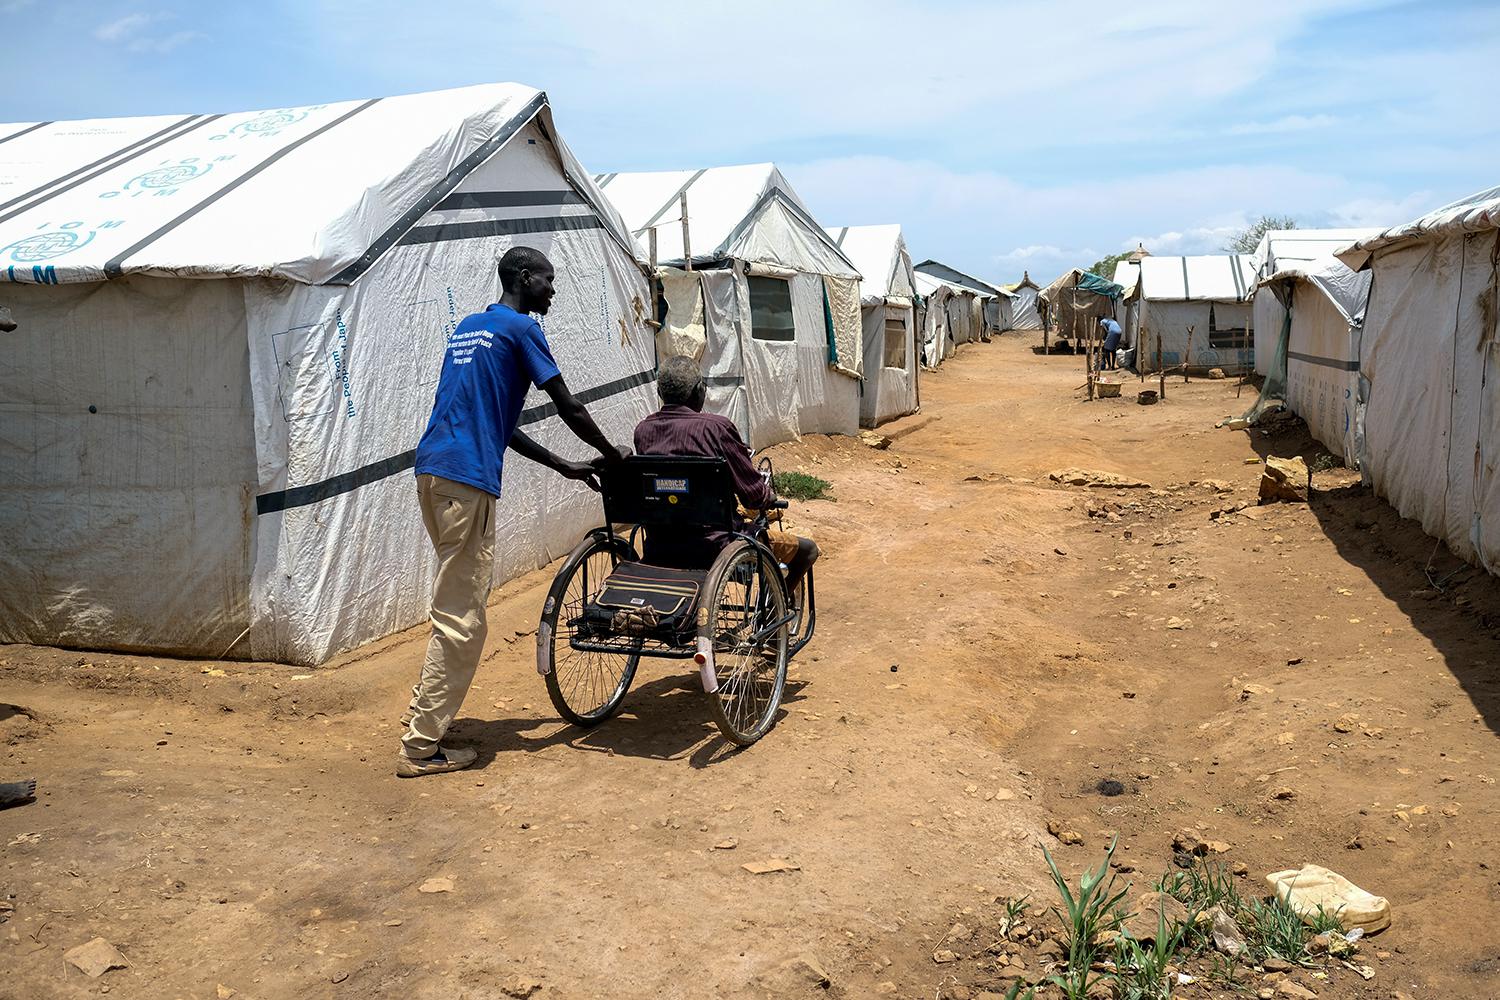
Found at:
[1248, 239]
[1105, 267]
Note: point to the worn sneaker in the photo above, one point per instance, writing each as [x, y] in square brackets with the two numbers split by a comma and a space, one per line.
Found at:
[446, 759]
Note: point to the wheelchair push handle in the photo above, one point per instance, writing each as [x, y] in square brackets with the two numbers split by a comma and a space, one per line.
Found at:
[779, 504]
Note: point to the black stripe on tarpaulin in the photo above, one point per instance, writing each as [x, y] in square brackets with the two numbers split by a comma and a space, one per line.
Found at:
[507, 199]
[24, 131]
[114, 267]
[120, 156]
[1313, 359]
[394, 233]
[448, 232]
[301, 496]
[348, 482]
[549, 409]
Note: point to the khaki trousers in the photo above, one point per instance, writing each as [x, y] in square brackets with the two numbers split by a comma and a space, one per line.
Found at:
[460, 520]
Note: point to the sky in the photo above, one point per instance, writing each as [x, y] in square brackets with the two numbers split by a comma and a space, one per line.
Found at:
[1004, 137]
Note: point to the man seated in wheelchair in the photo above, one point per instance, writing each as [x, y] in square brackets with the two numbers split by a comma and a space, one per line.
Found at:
[681, 429]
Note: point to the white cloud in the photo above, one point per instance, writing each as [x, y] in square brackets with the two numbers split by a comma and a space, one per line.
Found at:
[131, 32]
[1289, 123]
[122, 28]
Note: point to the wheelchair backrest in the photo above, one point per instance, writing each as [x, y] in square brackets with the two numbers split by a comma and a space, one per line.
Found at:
[667, 491]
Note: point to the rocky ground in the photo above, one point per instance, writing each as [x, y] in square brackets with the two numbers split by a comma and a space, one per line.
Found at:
[999, 654]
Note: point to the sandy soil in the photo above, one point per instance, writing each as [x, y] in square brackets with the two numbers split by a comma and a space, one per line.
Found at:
[987, 652]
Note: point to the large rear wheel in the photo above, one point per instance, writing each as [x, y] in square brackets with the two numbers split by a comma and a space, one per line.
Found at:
[585, 687]
[746, 607]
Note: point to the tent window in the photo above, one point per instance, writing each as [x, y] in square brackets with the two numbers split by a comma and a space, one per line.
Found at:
[895, 341]
[771, 309]
[1228, 338]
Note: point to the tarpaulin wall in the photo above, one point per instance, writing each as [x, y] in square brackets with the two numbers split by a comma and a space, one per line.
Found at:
[127, 455]
[890, 391]
[1023, 314]
[1322, 370]
[1432, 411]
[1266, 313]
[1171, 320]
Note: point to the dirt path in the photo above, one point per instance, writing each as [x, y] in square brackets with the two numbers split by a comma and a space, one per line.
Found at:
[987, 652]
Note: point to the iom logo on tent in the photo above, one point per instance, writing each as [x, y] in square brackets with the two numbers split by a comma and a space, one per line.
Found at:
[268, 123]
[165, 179]
[38, 247]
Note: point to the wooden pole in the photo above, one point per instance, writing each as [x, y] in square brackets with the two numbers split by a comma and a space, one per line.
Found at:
[1161, 372]
[652, 241]
[1187, 359]
[687, 245]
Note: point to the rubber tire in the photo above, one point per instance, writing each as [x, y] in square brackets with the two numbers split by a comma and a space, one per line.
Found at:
[591, 545]
[717, 578]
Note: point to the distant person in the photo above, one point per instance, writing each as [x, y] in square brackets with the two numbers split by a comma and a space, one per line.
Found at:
[492, 359]
[681, 429]
[1110, 331]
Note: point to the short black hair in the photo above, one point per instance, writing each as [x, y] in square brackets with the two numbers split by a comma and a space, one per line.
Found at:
[518, 259]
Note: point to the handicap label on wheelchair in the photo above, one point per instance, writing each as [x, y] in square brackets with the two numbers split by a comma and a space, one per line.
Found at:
[671, 487]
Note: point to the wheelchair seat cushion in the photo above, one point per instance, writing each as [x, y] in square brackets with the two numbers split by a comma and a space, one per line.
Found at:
[639, 597]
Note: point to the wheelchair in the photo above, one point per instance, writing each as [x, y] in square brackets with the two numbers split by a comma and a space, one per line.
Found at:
[734, 618]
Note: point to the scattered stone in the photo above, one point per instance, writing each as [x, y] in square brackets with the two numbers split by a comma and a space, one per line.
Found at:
[1274, 964]
[1287, 988]
[1226, 933]
[1345, 723]
[1093, 477]
[959, 932]
[224, 992]
[1052, 950]
[1284, 479]
[944, 957]
[887, 988]
[1063, 834]
[397, 922]
[1241, 869]
[1284, 793]
[338, 977]
[1148, 909]
[768, 867]
[438, 883]
[95, 958]
[520, 987]
[1216, 373]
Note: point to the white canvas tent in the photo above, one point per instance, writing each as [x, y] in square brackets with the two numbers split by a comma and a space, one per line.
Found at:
[991, 304]
[1319, 363]
[948, 318]
[1429, 359]
[1282, 250]
[771, 306]
[887, 293]
[1022, 313]
[1210, 294]
[231, 327]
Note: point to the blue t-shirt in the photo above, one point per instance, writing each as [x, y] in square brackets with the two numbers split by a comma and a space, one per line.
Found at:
[493, 358]
[1111, 328]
